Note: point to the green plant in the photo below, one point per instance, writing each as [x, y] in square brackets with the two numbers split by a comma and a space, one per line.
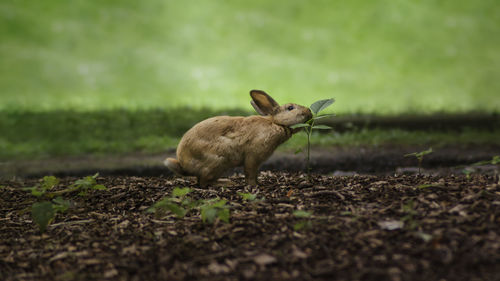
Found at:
[178, 203]
[82, 186]
[409, 218]
[247, 196]
[250, 197]
[213, 209]
[86, 184]
[48, 182]
[310, 125]
[44, 211]
[495, 160]
[305, 223]
[420, 157]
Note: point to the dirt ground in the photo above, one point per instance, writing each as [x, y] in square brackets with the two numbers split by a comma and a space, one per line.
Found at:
[361, 227]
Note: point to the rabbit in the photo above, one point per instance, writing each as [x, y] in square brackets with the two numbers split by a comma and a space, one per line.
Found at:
[219, 143]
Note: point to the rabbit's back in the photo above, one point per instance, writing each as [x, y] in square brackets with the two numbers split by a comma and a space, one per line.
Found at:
[219, 143]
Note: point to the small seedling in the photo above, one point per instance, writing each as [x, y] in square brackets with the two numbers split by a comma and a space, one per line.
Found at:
[302, 224]
[247, 196]
[178, 204]
[86, 184]
[420, 157]
[213, 209]
[495, 160]
[48, 182]
[82, 186]
[44, 212]
[310, 125]
[410, 213]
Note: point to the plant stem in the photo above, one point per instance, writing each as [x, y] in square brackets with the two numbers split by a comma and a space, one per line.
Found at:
[309, 132]
[61, 192]
[420, 164]
[308, 167]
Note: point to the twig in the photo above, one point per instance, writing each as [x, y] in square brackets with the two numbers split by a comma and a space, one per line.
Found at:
[71, 222]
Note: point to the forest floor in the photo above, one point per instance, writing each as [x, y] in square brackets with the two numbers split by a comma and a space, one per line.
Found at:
[368, 215]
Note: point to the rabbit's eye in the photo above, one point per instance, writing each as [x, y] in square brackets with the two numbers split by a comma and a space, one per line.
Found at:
[290, 107]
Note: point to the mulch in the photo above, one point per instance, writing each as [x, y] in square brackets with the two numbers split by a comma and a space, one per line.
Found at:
[400, 227]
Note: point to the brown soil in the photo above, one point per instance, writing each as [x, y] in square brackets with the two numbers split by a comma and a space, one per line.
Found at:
[403, 227]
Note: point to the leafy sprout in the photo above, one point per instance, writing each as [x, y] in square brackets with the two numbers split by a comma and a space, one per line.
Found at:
[311, 125]
[87, 183]
[48, 182]
[247, 196]
[420, 156]
[213, 209]
[44, 212]
[178, 204]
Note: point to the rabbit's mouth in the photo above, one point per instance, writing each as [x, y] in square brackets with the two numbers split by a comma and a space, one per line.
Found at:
[307, 116]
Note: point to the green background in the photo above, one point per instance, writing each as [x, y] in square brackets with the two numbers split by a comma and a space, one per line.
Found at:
[372, 56]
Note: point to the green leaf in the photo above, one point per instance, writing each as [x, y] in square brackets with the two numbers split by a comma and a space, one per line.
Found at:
[323, 116]
[99, 187]
[42, 213]
[176, 210]
[321, 105]
[35, 191]
[302, 225]
[60, 204]
[220, 204]
[495, 160]
[49, 182]
[224, 215]
[247, 196]
[208, 214]
[301, 125]
[180, 192]
[217, 209]
[86, 183]
[419, 154]
[159, 205]
[301, 214]
[425, 152]
[321, 127]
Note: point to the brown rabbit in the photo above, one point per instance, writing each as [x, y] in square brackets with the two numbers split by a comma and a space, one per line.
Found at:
[219, 143]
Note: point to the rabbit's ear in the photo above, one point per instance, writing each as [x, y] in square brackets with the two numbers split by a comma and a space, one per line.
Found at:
[262, 102]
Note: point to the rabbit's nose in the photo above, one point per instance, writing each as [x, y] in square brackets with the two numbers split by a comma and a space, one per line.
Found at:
[308, 114]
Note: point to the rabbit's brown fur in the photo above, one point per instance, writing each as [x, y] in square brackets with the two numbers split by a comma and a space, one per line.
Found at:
[219, 143]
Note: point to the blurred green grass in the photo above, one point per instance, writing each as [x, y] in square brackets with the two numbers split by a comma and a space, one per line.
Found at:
[38, 135]
[384, 57]
[101, 77]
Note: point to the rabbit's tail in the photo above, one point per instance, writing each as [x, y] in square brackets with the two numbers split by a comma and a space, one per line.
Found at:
[174, 166]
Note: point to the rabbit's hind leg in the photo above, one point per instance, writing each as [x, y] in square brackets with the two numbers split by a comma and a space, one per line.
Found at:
[209, 175]
[206, 178]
